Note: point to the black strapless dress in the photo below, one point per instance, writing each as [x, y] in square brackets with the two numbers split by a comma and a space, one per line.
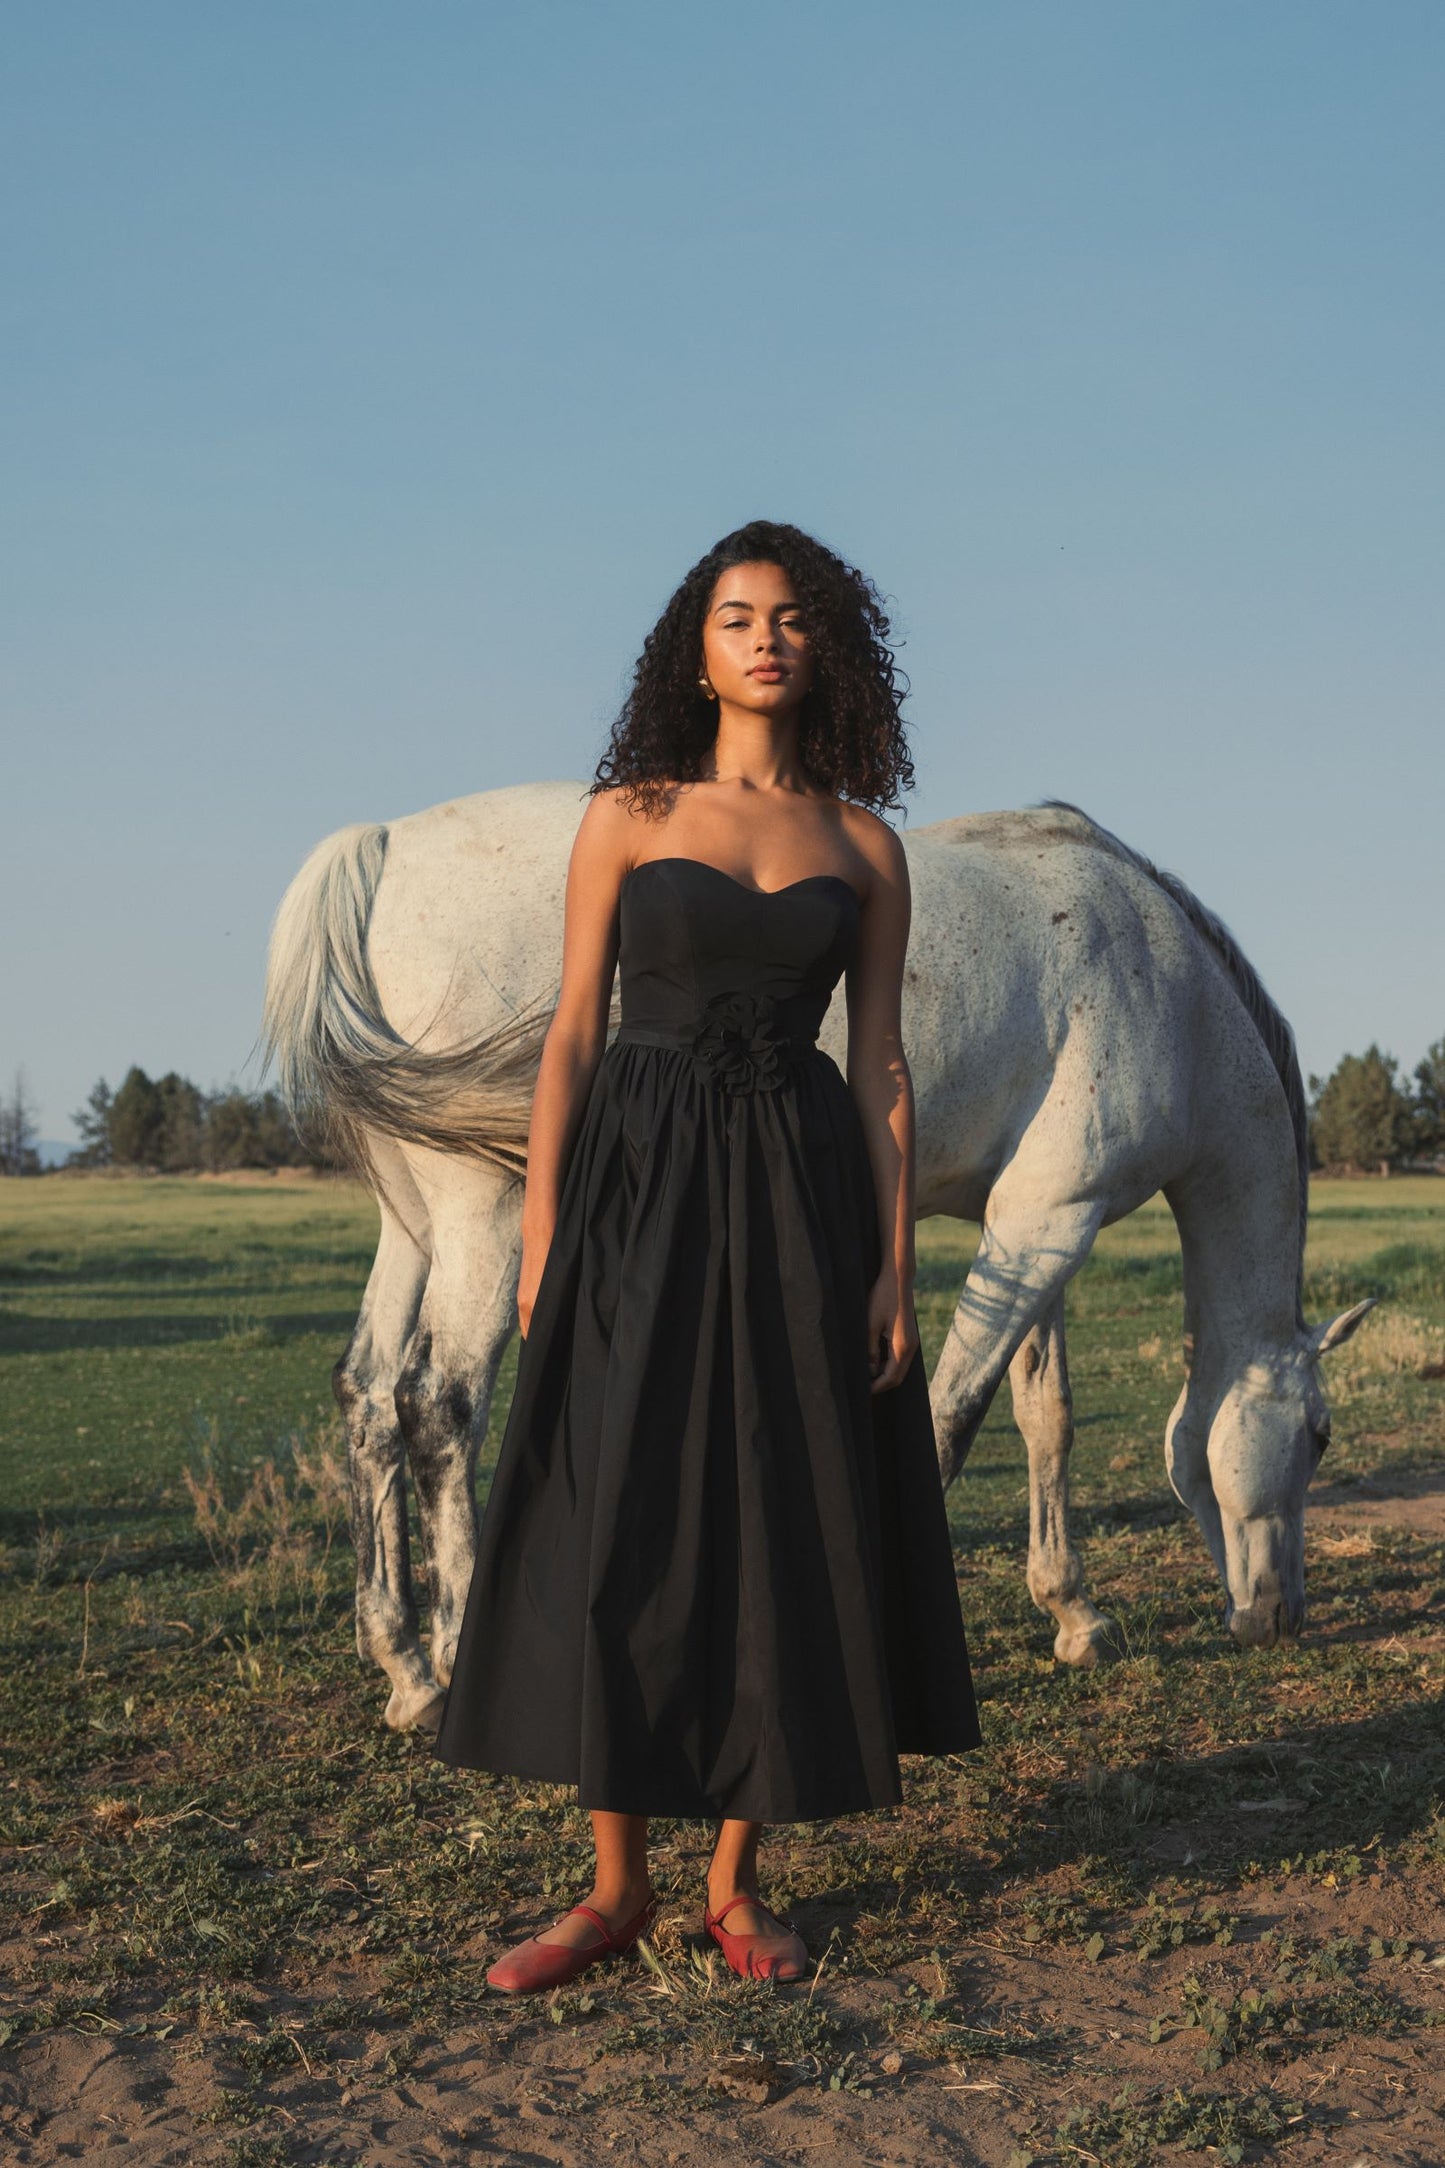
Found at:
[714, 1575]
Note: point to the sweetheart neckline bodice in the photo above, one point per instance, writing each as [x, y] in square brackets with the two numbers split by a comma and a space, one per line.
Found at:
[680, 859]
[764, 964]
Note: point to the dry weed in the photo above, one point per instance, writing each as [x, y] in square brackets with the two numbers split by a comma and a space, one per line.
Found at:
[1161, 1354]
[115, 1817]
[49, 1543]
[322, 1469]
[1354, 1543]
[1391, 1343]
[260, 1530]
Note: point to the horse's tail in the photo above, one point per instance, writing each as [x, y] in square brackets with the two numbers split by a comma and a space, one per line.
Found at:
[342, 1069]
[1264, 1014]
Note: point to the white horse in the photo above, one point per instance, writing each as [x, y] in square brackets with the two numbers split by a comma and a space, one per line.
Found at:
[1082, 1033]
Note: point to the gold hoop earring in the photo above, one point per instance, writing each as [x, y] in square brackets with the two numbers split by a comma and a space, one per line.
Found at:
[708, 692]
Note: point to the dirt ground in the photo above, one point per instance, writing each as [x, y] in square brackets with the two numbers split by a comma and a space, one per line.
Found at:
[532, 2093]
[1044, 2033]
[1413, 1500]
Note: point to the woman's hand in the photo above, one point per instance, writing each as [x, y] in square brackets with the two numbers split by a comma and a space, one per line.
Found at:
[892, 1331]
[534, 1259]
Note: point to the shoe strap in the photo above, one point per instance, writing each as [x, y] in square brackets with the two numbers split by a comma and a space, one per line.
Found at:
[744, 1899]
[613, 1934]
[596, 1916]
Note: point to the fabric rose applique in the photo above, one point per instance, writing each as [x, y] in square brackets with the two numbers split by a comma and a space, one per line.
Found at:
[741, 1044]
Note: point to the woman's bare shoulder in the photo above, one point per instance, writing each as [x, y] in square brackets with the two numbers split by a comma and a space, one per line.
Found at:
[613, 828]
[877, 843]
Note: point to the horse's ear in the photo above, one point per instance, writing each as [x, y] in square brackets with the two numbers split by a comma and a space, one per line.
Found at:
[1339, 1328]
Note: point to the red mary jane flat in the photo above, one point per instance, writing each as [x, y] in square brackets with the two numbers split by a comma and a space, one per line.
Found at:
[535, 1964]
[741, 1950]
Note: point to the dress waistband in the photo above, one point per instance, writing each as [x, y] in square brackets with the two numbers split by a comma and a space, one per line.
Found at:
[793, 1043]
[738, 1039]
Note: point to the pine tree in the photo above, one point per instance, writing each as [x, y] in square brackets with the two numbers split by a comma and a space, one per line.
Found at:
[137, 1121]
[93, 1122]
[1428, 1108]
[1360, 1116]
[18, 1130]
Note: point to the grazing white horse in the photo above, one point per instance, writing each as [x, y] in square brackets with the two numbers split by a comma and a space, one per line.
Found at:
[1082, 1033]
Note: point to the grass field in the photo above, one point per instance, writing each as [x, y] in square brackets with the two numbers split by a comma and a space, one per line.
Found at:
[1193, 1901]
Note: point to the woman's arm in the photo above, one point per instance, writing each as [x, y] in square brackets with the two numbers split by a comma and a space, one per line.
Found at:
[577, 1033]
[882, 1086]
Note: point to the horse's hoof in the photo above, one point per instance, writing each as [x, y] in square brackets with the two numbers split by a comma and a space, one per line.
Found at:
[1264, 1626]
[417, 1709]
[1086, 1647]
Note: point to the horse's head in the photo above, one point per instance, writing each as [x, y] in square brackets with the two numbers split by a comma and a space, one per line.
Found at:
[1269, 1428]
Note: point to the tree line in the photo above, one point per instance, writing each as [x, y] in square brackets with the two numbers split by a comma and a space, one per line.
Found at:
[170, 1124]
[1364, 1115]
[163, 1123]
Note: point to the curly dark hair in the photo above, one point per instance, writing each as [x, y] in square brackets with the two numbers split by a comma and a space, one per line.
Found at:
[850, 737]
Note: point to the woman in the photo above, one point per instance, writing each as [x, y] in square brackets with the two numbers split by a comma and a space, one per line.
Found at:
[714, 1575]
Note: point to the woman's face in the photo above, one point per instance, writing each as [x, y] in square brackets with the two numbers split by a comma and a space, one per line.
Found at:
[755, 641]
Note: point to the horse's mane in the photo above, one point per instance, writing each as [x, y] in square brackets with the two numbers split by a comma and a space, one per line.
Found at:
[1263, 1013]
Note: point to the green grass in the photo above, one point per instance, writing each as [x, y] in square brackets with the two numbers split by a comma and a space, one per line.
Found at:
[136, 1317]
[201, 1814]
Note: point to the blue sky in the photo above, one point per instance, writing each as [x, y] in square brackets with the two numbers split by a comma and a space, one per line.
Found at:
[373, 372]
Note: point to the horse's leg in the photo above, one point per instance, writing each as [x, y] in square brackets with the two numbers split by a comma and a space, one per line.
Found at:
[1044, 1412]
[1186, 1433]
[364, 1382]
[1031, 1247]
[444, 1393]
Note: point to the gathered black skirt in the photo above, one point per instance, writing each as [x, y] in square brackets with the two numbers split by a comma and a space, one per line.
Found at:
[714, 1576]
